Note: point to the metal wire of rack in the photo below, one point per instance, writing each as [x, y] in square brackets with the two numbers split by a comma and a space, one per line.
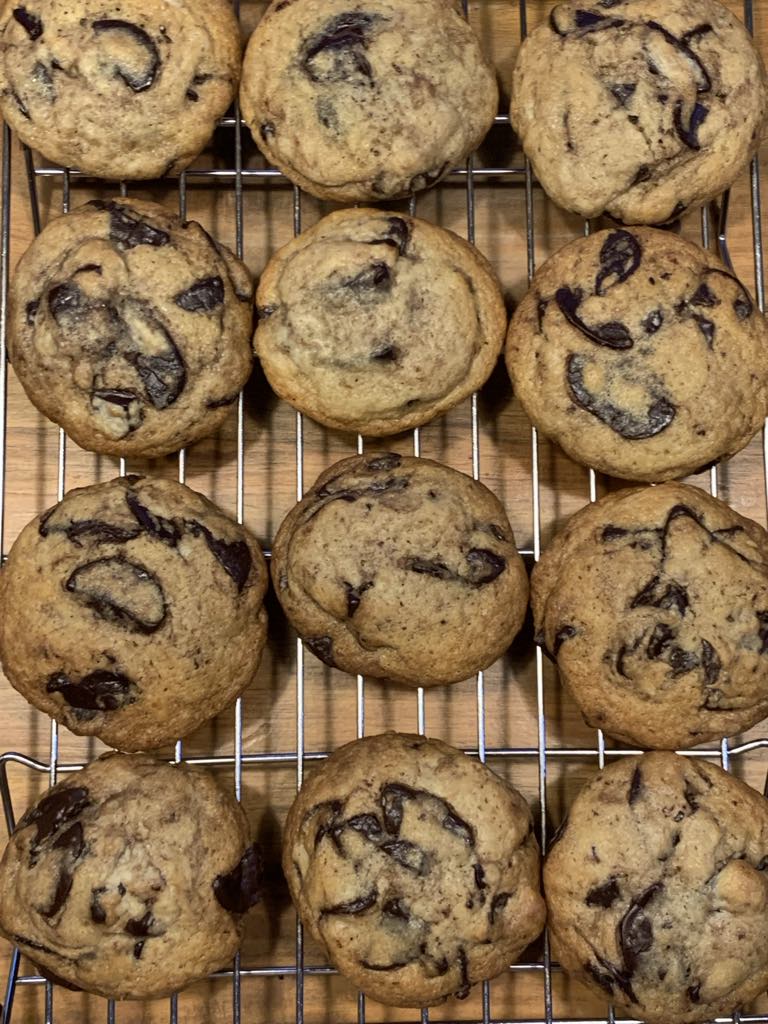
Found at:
[714, 222]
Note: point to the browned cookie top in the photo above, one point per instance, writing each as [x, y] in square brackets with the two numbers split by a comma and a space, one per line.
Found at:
[640, 354]
[401, 568]
[132, 611]
[415, 866]
[638, 108]
[657, 889]
[130, 328]
[120, 90]
[130, 878]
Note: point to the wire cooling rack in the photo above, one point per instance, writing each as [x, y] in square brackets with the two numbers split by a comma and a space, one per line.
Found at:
[238, 180]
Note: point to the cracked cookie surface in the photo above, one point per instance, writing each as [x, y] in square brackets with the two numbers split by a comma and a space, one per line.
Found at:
[132, 611]
[654, 603]
[130, 878]
[354, 101]
[638, 108]
[415, 866]
[124, 90]
[377, 323]
[640, 354]
[401, 568]
[657, 889]
[130, 328]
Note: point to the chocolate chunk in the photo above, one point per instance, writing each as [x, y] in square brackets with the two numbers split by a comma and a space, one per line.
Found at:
[463, 990]
[704, 296]
[115, 396]
[406, 854]
[240, 889]
[141, 927]
[661, 411]
[60, 896]
[499, 901]
[322, 648]
[138, 949]
[219, 403]
[763, 864]
[689, 134]
[120, 591]
[656, 594]
[604, 895]
[653, 321]
[63, 300]
[610, 976]
[31, 311]
[691, 795]
[429, 567]
[694, 992]
[584, 22]
[137, 82]
[375, 277]
[367, 825]
[661, 637]
[337, 53]
[164, 376]
[484, 566]
[22, 940]
[101, 690]
[453, 823]
[710, 661]
[54, 811]
[563, 634]
[682, 661]
[203, 296]
[98, 913]
[620, 256]
[762, 632]
[395, 908]
[479, 873]
[126, 228]
[395, 966]
[613, 334]
[387, 354]
[155, 525]
[642, 174]
[635, 786]
[233, 556]
[355, 906]
[354, 595]
[703, 81]
[635, 930]
[604, 980]
[541, 309]
[30, 22]
[706, 327]
[93, 529]
[624, 91]
[613, 533]
[398, 234]
[389, 460]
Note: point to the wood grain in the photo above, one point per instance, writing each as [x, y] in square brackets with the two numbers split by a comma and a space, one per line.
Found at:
[330, 707]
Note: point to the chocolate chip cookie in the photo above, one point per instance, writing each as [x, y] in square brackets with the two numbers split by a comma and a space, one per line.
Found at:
[132, 611]
[353, 100]
[657, 889]
[120, 90]
[377, 323]
[640, 354]
[415, 866]
[654, 604]
[638, 108]
[401, 568]
[130, 878]
[130, 328]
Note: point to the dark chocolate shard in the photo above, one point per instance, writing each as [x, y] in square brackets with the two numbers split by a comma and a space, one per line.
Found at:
[100, 690]
[408, 855]
[635, 930]
[710, 661]
[120, 591]
[429, 567]
[355, 906]
[337, 53]
[145, 79]
[233, 556]
[367, 825]
[612, 334]
[115, 396]
[689, 134]
[240, 889]
[126, 228]
[604, 895]
[375, 277]
[354, 595]
[164, 376]
[395, 908]
[499, 901]
[635, 786]
[620, 256]
[322, 648]
[155, 525]
[563, 634]
[203, 296]
[28, 21]
[484, 566]
[653, 322]
[661, 594]
[49, 815]
[704, 296]
[661, 412]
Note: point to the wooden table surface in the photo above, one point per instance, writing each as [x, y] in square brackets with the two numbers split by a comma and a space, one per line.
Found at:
[331, 706]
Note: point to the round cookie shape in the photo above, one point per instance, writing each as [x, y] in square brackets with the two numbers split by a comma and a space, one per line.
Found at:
[122, 91]
[654, 603]
[640, 109]
[132, 611]
[376, 323]
[130, 328]
[356, 101]
[415, 867]
[657, 889]
[401, 568]
[640, 354]
[130, 878]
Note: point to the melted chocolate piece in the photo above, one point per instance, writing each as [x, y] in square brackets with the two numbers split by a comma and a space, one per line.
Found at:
[137, 82]
[384, 967]
[367, 825]
[398, 234]
[233, 556]
[479, 873]
[689, 134]
[635, 786]
[388, 354]
[126, 228]
[661, 412]
[642, 174]
[563, 634]
[710, 661]
[604, 895]
[31, 311]
[393, 796]
[240, 889]
[610, 335]
[155, 525]
[427, 567]
[694, 992]
[656, 594]
[115, 396]
[463, 991]
[100, 690]
[389, 460]
[55, 810]
[219, 403]
[634, 930]
[703, 81]
[322, 648]
[138, 949]
[341, 47]
[98, 913]
[94, 529]
[484, 566]
[742, 306]
[620, 256]
[164, 376]
[395, 908]
[355, 906]
[30, 22]
[203, 296]
[91, 583]
[691, 794]
[624, 91]
[653, 321]
[704, 296]
[408, 855]
[611, 976]
[762, 631]
[499, 901]
[354, 596]
[375, 277]
[140, 928]
[63, 300]
[706, 327]
[584, 22]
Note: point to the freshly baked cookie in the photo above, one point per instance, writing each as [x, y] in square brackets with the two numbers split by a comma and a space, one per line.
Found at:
[130, 878]
[377, 323]
[401, 568]
[120, 90]
[132, 611]
[654, 604]
[415, 866]
[657, 889]
[353, 100]
[640, 354]
[639, 109]
[130, 328]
